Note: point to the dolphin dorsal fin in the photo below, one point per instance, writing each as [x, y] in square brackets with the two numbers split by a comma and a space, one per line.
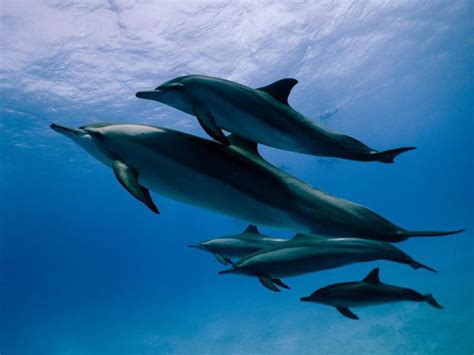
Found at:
[280, 89]
[373, 276]
[245, 144]
[251, 229]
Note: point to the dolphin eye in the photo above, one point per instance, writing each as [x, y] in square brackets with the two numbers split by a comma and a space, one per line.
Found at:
[171, 87]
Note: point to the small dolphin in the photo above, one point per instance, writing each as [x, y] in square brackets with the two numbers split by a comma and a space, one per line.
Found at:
[237, 246]
[261, 115]
[370, 291]
[233, 180]
[304, 254]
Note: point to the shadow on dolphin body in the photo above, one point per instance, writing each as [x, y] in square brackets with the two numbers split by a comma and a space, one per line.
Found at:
[370, 291]
[220, 104]
[233, 180]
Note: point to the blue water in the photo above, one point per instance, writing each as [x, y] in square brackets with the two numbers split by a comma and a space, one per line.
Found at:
[86, 269]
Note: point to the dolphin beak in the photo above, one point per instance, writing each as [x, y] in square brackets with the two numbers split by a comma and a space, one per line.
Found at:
[228, 271]
[148, 95]
[197, 246]
[305, 299]
[66, 130]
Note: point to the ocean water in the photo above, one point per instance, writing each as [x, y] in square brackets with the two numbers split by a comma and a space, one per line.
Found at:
[86, 269]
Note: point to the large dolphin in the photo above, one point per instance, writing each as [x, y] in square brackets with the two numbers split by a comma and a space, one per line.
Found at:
[304, 254]
[237, 246]
[370, 291]
[233, 180]
[261, 115]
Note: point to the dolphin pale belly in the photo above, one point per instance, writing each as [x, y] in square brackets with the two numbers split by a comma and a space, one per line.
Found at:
[237, 246]
[304, 254]
[261, 115]
[233, 180]
[370, 291]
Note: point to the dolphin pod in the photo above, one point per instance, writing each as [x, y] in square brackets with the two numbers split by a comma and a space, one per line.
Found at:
[229, 176]
[304, 254]
[261, 115]
[370, 291]
[233, 180]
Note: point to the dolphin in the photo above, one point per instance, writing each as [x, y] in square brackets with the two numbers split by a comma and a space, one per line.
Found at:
[261, 115]
[233, 180]
[370, 291]
[237, 246]
[304, 254]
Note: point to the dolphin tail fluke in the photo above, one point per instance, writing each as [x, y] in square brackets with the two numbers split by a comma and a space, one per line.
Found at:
[429, 233]
[431, 301]
[416, 265]
[388, 156]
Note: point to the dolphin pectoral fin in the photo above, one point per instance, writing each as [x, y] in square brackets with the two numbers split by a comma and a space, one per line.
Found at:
[229, 261]
[267, 283]
[223, 260]
[208, 123]
[280, 283]
[220, 258]
[346, 312]
[280, 90]
[128, 177]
